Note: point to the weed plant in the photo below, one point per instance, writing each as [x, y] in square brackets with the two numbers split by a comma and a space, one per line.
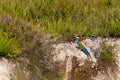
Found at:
[8, 47]
[107, 59]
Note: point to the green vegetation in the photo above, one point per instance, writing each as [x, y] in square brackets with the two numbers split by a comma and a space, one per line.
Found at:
[15, 36]
[108, 53]
[8, 47]
[67, 17]
[107, 58]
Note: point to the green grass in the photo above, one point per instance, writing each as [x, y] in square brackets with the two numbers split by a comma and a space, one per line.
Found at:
[88, 18]
[16, 36]
[107, 58]
[107, 53]
[8, 47]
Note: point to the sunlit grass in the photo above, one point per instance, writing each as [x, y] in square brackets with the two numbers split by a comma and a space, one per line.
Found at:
[89, 18]
[8, 47]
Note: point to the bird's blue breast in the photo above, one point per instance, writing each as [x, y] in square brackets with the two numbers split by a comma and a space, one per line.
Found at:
[77, 40]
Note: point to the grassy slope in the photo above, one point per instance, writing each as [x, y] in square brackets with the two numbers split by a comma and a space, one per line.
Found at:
[67, 17]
